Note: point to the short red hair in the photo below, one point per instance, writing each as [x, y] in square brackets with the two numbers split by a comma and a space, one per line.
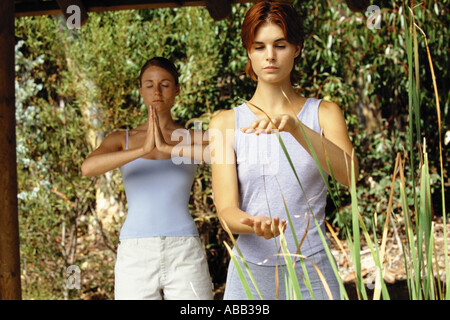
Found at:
[280, 13]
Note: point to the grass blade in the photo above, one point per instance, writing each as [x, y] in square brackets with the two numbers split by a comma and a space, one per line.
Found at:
[245, 285]
[233, 240]
[356, 236]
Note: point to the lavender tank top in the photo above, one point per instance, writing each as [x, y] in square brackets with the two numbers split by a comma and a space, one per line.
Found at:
[267, 183]
[157, 193]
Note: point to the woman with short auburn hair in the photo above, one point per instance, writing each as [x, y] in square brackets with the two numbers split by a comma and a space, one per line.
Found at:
[254, 191]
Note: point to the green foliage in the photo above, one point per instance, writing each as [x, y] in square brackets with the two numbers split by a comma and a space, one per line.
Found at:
[364, 70]
[52, 197]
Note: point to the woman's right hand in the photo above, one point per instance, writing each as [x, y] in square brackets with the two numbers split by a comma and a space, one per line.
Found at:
[149, 143]
[265, 227]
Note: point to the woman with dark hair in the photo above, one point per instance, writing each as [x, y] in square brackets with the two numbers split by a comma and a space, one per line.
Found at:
[254, 191]
[160, 255]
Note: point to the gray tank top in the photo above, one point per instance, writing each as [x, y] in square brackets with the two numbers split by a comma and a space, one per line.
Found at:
[267, 183]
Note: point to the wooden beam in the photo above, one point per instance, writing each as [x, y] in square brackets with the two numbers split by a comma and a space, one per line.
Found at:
[52, 7]
[10, 288]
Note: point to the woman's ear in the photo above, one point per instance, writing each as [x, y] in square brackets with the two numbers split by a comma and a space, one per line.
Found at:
[298, 50]
[178, 90]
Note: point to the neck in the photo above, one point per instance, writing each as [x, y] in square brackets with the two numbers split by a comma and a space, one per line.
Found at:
[274, 98]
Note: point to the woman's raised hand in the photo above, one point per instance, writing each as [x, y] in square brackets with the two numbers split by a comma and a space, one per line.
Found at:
[265, 227]
[281, 122]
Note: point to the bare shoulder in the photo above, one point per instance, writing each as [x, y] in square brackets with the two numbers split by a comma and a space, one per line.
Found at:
[117, 136]
[329, 106]
[115, 141]
[220, 127]
[223, 120]
[330, 114]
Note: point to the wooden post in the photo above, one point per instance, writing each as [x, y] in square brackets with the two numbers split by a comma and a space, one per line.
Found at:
[10, 288]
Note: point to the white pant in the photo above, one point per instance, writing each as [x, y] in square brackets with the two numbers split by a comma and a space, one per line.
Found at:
[172, 268]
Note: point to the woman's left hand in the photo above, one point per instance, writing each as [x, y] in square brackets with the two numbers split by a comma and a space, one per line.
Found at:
[281, 122]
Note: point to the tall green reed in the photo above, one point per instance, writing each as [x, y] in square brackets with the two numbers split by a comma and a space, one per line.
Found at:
[423, 280]
[419, 245]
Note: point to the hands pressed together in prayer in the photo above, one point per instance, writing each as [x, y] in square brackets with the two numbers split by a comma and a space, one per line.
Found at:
[154, 137]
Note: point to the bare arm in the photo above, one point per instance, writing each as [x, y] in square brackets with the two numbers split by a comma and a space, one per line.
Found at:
[337, 143]
[111, 155]
[225, 184]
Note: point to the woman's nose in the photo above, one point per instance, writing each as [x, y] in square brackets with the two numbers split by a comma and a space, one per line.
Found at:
[270, 54]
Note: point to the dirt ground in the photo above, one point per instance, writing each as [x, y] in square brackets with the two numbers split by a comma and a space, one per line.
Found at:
[394, 271]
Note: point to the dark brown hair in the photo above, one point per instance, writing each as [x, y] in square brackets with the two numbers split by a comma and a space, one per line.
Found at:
[162, 63]
[280, 13]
